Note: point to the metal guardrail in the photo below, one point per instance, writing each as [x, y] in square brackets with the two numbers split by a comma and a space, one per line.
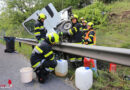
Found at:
[109, 54]
[27, 41]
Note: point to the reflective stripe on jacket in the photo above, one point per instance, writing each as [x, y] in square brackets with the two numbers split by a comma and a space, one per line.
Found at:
[40, 31]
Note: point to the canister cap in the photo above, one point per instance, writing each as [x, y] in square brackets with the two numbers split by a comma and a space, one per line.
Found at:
[87, 68]
[60, 60]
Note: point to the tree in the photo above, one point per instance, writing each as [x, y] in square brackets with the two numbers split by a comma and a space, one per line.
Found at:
[19, 10]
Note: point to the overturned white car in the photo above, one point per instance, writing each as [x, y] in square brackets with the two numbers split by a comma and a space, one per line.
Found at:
[55, 22]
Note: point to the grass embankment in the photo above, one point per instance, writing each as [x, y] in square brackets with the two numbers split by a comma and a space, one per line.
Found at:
[25, 49]
[116, 32]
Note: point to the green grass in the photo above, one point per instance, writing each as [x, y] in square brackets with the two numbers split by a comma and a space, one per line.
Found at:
[120, 6]
[17, 32]
[110, 81]
[2, 41]
[116, 33]
[25, 49]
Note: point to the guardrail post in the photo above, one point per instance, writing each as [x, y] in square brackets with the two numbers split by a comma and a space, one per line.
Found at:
[20, 44]
[108, 54]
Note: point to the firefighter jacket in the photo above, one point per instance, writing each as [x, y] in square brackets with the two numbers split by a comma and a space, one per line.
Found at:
[42, 51]
[40, 31]
[84, 30]
[90, 38]
[75, 33]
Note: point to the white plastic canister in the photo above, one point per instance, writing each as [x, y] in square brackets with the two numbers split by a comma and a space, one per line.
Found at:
[83, 78]
[61, 68]
[26, 74]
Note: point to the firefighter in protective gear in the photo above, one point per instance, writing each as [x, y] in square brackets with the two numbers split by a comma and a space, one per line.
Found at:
[75, 36]
[81, 20]
[40, 31]
[90, 38]
[43, 58]
[84, 29]
[75, 31]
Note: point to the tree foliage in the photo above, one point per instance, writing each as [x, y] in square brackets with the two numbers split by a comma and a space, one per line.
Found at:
[17, 11]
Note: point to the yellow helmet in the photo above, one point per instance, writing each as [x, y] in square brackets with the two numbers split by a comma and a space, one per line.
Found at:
[74, 16]
[53, 38]
[84, 21]
[82, 18]
[90, 24]
[42, 16]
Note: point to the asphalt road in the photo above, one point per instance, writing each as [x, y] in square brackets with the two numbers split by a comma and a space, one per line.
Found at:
[11, 63]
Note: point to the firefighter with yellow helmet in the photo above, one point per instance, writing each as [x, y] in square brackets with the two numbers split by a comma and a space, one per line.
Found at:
[90, 38]
[84, 30]
[43, 58]
[81, 20]
[40, 31]
[75, 36]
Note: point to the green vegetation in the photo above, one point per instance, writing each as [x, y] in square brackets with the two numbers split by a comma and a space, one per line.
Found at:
[112, 81]
[25, 49]
[116, 32]
[112, 23]
[96, 13]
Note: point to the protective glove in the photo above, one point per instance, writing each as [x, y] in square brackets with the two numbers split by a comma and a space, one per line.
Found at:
[83, 41]
[60, 33]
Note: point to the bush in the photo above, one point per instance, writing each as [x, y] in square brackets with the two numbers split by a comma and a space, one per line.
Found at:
[96, 13]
